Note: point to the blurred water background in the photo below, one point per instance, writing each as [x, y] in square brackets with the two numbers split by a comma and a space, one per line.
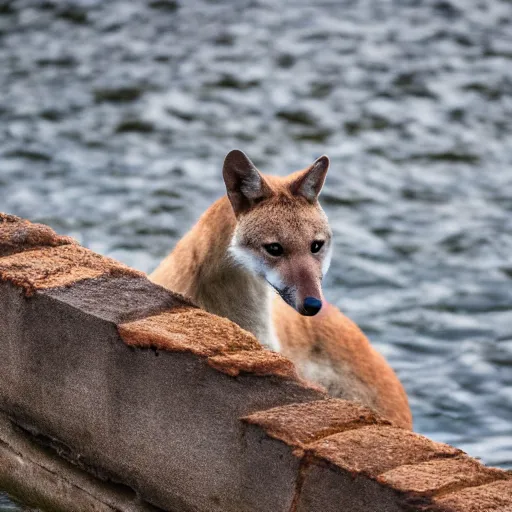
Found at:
[8, 506]
[115, 118]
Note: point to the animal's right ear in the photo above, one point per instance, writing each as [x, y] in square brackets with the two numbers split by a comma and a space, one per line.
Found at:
[244, 184]
[310, 182]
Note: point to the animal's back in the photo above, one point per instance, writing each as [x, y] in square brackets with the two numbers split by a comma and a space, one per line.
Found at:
[331, 350]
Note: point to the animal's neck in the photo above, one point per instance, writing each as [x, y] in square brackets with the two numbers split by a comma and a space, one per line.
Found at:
[202, 268]
[234, 293]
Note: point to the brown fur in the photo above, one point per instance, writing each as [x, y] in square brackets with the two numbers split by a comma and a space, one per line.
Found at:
[348, 366]
[328, 348]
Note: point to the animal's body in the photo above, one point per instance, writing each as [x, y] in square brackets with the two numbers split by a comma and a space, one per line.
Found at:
[270, 232]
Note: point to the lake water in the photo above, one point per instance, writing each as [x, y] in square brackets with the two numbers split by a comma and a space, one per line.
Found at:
[8, 506]
[115, 118]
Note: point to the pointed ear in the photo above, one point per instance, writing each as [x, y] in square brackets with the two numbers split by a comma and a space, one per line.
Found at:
[310, 182]
[244, 184]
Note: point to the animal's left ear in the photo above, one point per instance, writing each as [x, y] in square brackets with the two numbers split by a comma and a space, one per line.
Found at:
[310, 182]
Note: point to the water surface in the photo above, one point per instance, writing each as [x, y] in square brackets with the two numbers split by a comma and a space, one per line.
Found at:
[115, 117]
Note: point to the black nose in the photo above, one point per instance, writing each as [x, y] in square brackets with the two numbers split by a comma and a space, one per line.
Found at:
[312, 306]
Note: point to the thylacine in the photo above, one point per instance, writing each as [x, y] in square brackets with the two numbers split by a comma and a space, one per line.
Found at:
[271, 232]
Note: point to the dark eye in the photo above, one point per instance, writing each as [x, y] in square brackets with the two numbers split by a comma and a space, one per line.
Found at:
[274, 249]
[317, 245]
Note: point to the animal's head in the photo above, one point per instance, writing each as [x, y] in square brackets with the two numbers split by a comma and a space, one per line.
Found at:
[282, 233]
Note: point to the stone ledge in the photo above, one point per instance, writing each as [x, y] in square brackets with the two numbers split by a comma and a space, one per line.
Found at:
[34, 474]
[176, 331]
[495, 497]
[135, 385]
[299, 425]
[122, 299]
[440, 476]
[18, 235]
[395, 447]
[52, 267]
[406, 472]
[256, 362]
